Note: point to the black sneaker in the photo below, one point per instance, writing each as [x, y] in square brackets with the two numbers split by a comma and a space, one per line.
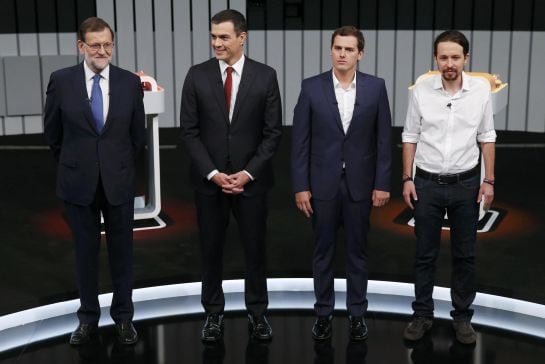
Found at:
[417, 328]
[322, 328]
[358, 328]
[212, 330]
[464, 332]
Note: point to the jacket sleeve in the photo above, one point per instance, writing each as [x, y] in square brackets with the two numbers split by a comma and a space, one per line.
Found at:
[301, 138]
[52, 118]
[384, 142]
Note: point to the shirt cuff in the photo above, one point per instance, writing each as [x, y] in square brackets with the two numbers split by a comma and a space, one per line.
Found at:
[212, 174]
[488, 137]
[410, 138]
[248, 174]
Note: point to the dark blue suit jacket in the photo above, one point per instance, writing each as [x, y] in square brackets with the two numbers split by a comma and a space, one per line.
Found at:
[82, 153]
[320, 145]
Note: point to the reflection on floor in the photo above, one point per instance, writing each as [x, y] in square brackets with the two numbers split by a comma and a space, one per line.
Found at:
[176, 340]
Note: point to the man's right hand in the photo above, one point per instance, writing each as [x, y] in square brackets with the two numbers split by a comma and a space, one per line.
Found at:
[409, 193]
[302, 200]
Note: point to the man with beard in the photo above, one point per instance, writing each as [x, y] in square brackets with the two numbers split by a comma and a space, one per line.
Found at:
[447, 117]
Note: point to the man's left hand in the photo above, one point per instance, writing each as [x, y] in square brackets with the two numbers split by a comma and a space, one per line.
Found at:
[487, 192]
[380, 198]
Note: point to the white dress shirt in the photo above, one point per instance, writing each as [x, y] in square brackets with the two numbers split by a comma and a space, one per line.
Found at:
[236, 75]
[346, 97]
[104, 86]
[446, 128]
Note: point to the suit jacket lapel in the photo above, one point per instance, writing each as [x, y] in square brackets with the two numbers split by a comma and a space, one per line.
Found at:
[329, 91]
[115, 89]
[361, 92]
[216, 85]
[80, 91]
[248, 74]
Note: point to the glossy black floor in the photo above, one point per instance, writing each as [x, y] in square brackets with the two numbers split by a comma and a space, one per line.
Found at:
[176, 340]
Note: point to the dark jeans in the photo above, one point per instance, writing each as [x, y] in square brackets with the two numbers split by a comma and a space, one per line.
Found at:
[459, 201]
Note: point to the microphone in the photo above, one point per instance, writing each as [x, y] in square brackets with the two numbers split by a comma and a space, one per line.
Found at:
[449, 105]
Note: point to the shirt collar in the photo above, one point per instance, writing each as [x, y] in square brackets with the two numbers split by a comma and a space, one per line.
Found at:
[337, 84]
[438, 82]
[237, 66]
[89, 74]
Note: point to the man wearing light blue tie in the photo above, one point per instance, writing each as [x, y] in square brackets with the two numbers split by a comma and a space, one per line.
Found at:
[94, 125]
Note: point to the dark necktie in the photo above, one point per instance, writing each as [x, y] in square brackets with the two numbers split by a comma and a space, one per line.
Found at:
[96, 103]
[228, 87]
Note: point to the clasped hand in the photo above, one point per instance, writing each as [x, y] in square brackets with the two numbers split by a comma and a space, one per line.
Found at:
[232, 184]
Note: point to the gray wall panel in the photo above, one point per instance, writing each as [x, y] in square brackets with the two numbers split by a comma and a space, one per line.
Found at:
[293, 71]
[68, 43]
[163, 58]
[8, 47]
[386, 59]
[145, 46]
[182, 50]
[28, 44]
[239, 5]
[536, 96]
[256, 47]
[275, 59]
[201, 32]
[403, 75]
[33, 124]
[479, 55]
[499, 61]
[369, 62]
[423, 52]
[312, 53]
[125, 44]
[326, 50]
[217, 6]
[518, 81]
[47, 44]
[22, 80]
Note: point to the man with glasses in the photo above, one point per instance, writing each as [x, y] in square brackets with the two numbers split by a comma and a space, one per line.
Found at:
[94, 125]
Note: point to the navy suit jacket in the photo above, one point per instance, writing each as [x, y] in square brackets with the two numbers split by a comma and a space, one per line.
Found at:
[320, 145]
[83, 154]
[248, 142]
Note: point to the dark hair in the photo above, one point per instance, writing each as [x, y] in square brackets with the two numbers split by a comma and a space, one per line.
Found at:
[93, 24]
[349, 30]
[235, 17]
[452, 36]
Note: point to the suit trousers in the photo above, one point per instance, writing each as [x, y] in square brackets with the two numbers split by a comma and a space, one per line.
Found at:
[328, 216]
[458, 200]
[85, 224]
[213, 215]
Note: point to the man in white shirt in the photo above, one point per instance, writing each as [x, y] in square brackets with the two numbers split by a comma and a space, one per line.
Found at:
[340, 164]
[448, 116]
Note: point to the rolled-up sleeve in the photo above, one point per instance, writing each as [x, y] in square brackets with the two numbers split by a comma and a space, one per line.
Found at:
[486, 132]
[411, 129]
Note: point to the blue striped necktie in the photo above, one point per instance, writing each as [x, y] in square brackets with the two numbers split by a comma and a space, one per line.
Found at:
[96, 103]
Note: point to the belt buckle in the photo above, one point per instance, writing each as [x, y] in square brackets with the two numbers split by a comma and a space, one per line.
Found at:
[440, 180]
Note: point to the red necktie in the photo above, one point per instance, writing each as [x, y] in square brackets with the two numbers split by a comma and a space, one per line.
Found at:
[228, 86]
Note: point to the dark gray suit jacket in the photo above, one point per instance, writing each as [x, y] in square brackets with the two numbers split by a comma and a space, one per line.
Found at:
[248, 142]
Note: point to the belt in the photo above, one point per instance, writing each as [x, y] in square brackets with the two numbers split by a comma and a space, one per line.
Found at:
[447, 179]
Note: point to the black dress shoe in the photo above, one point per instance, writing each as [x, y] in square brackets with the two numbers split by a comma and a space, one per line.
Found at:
[259, 327]
[126, 333]
[83, 334]
[322, 328]
[358, 328]
[213, 328]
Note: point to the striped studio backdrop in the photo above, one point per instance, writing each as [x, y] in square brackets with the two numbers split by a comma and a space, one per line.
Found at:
[165, 37]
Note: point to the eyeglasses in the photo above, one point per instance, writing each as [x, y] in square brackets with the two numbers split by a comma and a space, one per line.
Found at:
[96, 47]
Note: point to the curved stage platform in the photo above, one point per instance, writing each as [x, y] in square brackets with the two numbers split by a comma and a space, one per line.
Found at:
[169, 319]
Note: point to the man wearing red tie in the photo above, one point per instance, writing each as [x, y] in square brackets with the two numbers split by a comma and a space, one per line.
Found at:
[231, 125]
